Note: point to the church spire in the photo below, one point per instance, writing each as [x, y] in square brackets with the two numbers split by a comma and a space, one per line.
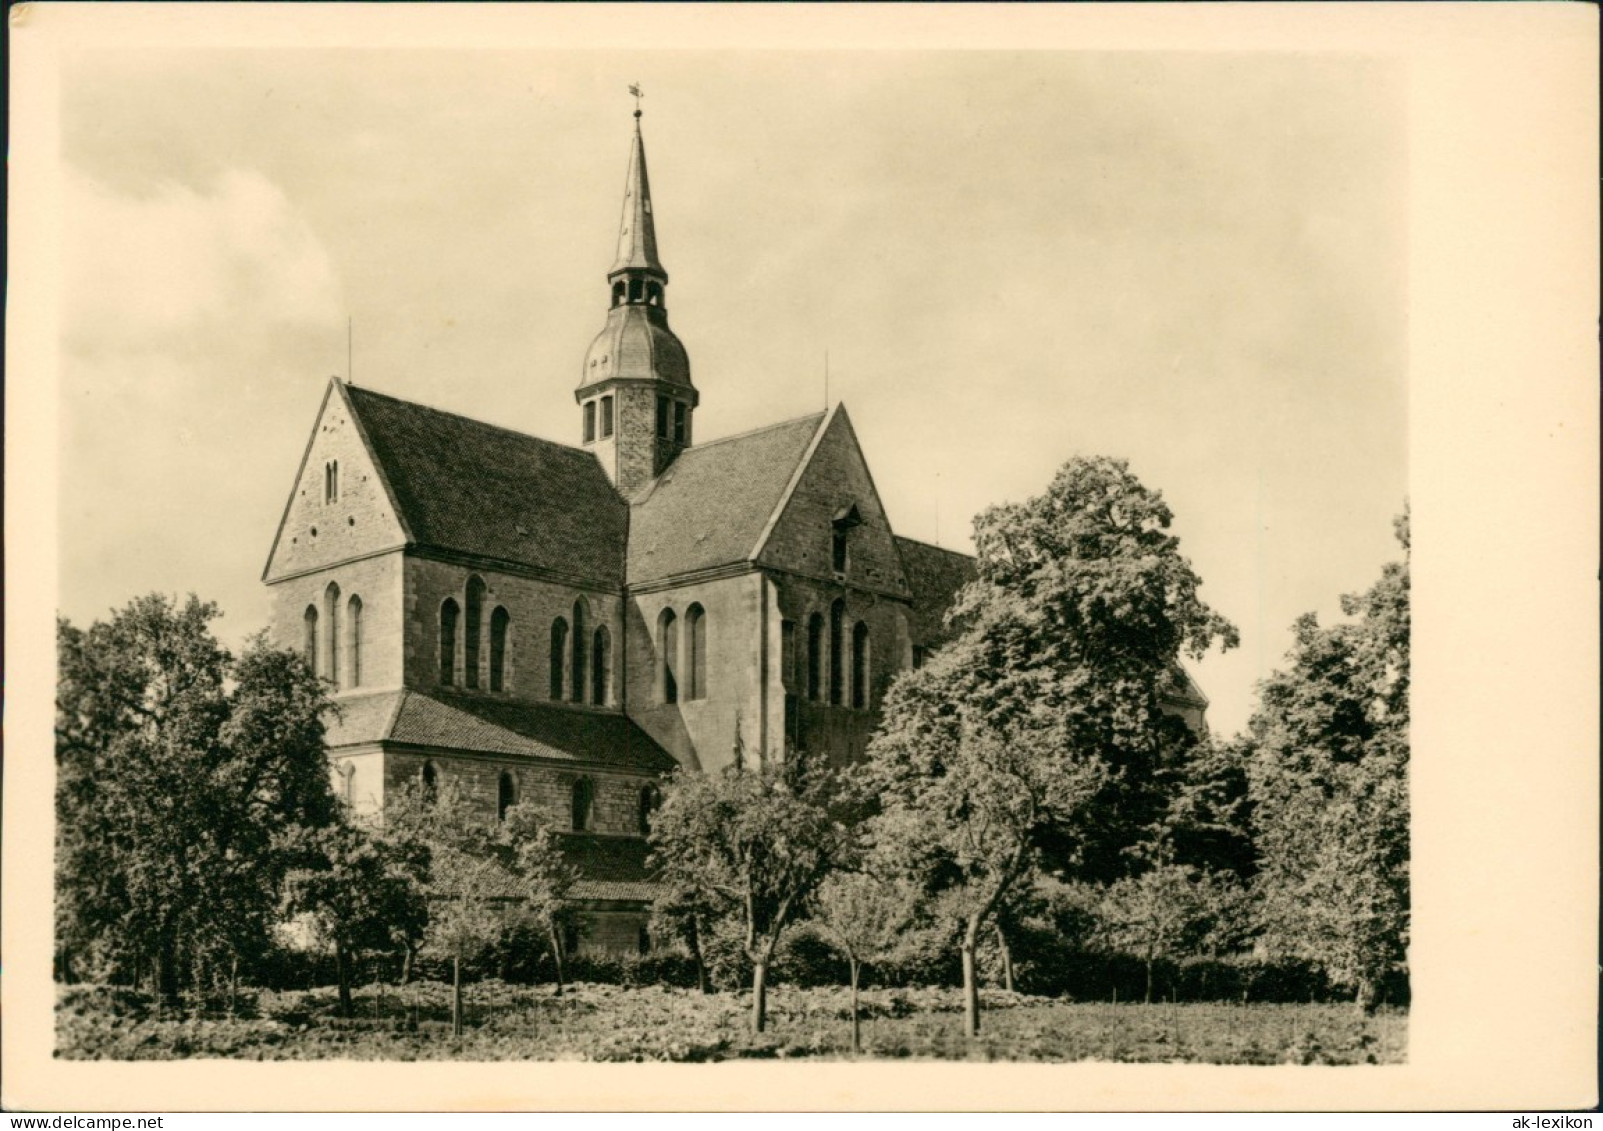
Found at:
[637, 232]
[634, 392]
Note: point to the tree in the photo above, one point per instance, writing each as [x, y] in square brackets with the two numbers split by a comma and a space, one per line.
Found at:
[752, 843]
[1328, 765]
[1042, 725]
[178, 769]
[865, 916]
[361, 892]
[468, 883]
[541, 876]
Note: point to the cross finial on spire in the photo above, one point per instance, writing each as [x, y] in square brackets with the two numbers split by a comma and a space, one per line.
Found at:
[634, 89]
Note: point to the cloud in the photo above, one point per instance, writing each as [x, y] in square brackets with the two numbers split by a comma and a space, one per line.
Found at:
[161, 270]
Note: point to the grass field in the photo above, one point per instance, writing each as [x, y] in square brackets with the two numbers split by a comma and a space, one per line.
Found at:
[617, 1023]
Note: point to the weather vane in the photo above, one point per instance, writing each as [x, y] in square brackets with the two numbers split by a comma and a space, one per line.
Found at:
[634, 89]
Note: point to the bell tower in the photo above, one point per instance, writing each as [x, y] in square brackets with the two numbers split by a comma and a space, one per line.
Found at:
[635, 398]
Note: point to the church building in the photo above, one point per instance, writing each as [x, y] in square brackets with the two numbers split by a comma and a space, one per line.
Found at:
[567, 623]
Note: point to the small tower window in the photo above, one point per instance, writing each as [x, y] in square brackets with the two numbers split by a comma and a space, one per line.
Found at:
[837, 670]
[860, 665]
[331, 481]
[667, 657]
[500, 622]
[696, 651]
[653, 294]
[815, 655]
[637, 290]
[559, 656]
[448, 618]
[589, 421]
[505, 796]
[584, 805]
[471, 632]
[662, 417]
[619, 289]
[678, 422]
[606, 417]
[601, 667]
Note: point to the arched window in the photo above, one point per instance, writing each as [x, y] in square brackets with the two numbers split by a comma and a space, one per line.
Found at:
[331, 606]
[815, 655]
[500, 621]
[649, 800]
[837, 669]
[860, 665]
[448, 618]
[581, 651]
[559, 656]
[505, 796]
[696, 651]
[309, 641]
[471, 632]
[667, 657]
[601, 667]
[353, 631]
[431, 783]
[584, 805]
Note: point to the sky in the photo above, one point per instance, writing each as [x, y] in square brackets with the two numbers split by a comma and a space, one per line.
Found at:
[1194, 261]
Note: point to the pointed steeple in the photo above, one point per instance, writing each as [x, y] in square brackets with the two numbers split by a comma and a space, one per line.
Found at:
[637, 232]
[635, 395]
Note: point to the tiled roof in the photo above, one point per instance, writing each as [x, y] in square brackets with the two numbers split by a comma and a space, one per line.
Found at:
[474, 488]
[711, 505]
[497, 726]
[935, 575]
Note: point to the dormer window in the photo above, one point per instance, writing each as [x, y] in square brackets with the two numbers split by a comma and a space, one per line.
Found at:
[841, 526]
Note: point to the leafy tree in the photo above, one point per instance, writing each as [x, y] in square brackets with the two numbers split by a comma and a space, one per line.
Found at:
[360, 891]
[685, 912]
[541, 876]
[1328, 764]
[468, 882]
[865, 915]
[964, 798]
[751, 843]
[178, 769]
[1043, 724]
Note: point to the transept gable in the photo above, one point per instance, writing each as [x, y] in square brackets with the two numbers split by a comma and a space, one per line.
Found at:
[831, 524]
[340, 506]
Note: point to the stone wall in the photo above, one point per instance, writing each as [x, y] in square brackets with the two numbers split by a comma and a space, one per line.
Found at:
[533, 605]
[701, 732]
[616, 794]
[376, 582]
